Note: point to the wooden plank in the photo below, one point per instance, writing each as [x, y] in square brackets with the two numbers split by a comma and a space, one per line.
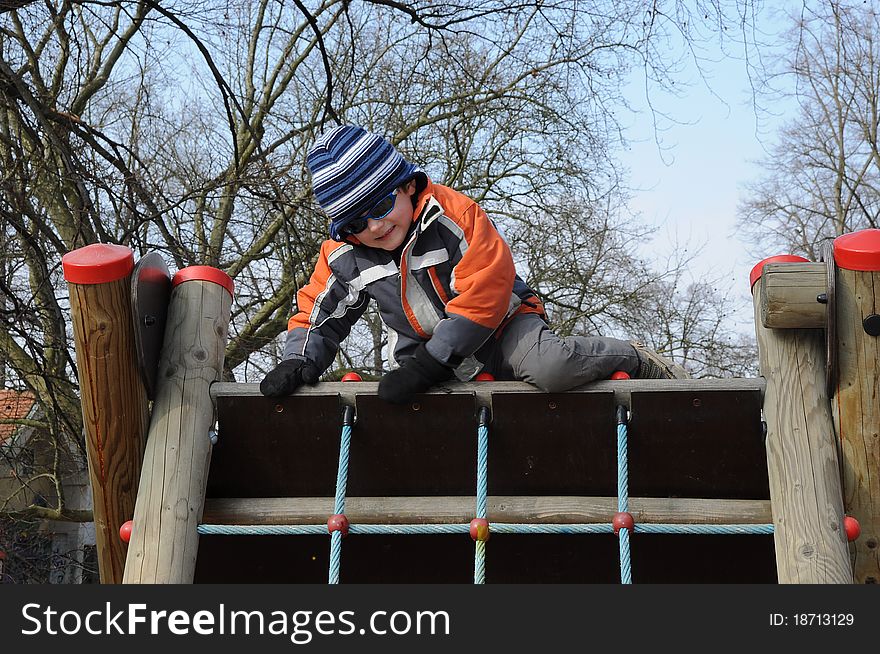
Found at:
[510, 558]
[425, 447]
[171, 494]
[552, 444]
[789, 291]
[709, 442]
[460, 509]
[802, 461]
[857, 414]
[347, 391]
[539, 444]
[115, 411]
[276, 447]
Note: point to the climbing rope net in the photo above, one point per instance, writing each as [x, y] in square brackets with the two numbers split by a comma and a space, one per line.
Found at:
[479, 528]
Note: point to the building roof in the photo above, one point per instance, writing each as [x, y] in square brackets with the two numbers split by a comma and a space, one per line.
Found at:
[13, 405]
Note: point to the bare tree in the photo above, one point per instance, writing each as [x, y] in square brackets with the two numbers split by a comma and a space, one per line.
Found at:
[182, 128]
[822, 174]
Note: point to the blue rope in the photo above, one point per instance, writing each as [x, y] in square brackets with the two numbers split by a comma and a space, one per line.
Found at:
[703, 530]
[480, 562]
[622, 470]
[262, 530]
[339, 505]
[482, 494]
[623, 496]
[497, 528]
[625, 559]
[482, 471]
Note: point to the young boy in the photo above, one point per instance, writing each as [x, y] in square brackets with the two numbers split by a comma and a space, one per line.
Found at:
[443, 279]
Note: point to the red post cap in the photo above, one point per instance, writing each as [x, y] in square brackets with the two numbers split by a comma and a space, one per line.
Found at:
[125, 531]
[98, 263]
[351, 376]
[620, 374]
[858, 251]
[480, 529]
[758, 270]
[485, 376]
[204, 274]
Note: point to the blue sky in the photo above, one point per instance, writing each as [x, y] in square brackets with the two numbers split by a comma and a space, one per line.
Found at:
[691, 188]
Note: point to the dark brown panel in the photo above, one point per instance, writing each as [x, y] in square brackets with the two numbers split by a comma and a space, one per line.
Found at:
[703, 444]
[553, 444]
[427, 447]
[510, 558]
[276, 447]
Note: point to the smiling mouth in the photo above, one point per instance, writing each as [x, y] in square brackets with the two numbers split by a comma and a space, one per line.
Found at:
[391, 229]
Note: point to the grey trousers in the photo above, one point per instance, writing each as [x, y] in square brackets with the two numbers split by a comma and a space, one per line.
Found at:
[530, 351]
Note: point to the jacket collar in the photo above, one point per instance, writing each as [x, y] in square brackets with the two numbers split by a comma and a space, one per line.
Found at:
[423, 198]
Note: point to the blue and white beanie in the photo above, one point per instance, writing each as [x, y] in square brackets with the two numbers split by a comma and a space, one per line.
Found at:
[352, 170]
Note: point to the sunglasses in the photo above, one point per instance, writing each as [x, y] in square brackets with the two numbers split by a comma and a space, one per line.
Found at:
[378, 211]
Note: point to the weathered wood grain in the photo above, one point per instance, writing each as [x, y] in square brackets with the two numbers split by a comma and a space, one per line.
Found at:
[171, 494]
[805, 488]
[857, 414]
[115, 411]
[461, 509]
[788, 295]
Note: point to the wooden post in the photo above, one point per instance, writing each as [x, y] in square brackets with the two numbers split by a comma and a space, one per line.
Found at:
[171, 495]
[788, 295]
[114, 402]
[802, 463]
[857, 402]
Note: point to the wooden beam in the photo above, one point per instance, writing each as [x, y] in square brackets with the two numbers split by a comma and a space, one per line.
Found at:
[484, 390]
[456, 510]
[788, 295]
[802, 461]
[170, 500]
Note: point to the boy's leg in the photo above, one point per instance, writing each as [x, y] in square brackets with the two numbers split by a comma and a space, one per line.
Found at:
[530, 351]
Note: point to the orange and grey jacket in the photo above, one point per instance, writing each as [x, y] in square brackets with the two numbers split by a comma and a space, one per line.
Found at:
[454, 287]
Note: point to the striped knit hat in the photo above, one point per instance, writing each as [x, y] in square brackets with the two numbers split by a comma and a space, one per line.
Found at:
[352, 170]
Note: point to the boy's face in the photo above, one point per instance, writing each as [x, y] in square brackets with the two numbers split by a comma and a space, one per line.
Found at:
[388, 233]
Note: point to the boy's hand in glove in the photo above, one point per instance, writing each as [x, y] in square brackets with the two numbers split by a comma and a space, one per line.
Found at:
[415, 375]
[287, 376]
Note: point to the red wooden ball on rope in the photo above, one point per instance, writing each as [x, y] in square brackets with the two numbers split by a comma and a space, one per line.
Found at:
[480, 529]
[619, 374]
[338, 522]
[485, 376]
[623, 520]
[852, 528]
[125, 531]
[351, 376]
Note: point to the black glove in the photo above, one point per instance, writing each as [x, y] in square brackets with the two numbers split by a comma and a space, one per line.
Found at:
[287, 376]
[415, 375]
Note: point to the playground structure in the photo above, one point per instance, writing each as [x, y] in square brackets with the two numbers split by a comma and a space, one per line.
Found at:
[677, 480]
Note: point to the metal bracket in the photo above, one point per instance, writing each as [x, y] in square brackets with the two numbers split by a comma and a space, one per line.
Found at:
[830, 319]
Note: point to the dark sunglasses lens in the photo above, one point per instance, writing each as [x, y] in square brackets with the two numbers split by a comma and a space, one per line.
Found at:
[356, 226]
[383, 207]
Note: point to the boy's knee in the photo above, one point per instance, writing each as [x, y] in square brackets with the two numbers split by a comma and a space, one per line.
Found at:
[552, 373]
[550, 383]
